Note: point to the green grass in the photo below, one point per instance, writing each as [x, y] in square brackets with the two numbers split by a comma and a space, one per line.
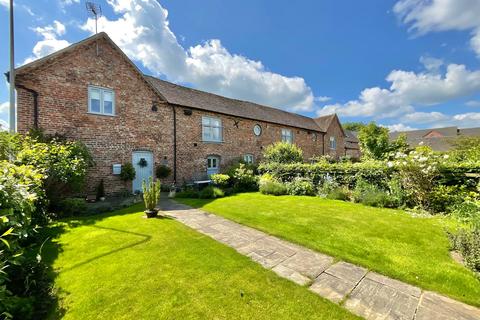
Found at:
[122, 266]
[391, 242]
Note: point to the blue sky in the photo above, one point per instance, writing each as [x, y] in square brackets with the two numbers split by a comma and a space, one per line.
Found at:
[404, 63]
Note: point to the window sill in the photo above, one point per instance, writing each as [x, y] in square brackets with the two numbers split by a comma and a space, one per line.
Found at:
[213, 142]
[101, 114]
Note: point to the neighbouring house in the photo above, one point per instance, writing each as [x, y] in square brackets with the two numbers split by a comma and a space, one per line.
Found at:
[352, 144]
[91, 91]
[439, 139]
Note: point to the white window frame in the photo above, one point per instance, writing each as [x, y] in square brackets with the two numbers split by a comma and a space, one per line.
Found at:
[211, 127]
[102, 92]
[259, 128]
[287, 135]
[333, 143]
[248, 158]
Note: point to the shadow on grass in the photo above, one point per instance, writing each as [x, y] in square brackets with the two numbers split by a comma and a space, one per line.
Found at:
[52, 248]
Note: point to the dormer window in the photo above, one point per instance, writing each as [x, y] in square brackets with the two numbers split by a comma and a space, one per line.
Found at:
[101, 101]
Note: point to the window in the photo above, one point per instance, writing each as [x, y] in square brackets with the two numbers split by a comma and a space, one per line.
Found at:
[257, 130]
[287, 135]
[211, 129]
[333, 143]
[101, 101]
[213, 163]
[248, 158]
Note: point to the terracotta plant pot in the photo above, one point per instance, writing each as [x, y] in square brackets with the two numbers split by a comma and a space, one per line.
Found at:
[151, 213]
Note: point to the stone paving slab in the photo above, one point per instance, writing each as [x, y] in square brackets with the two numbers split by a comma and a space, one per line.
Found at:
[375, 300]
[331, 287]
[435, 306]
[367, 294]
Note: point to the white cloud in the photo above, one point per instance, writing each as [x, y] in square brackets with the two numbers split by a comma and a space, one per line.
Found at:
[473, 103]
[399, 127]
[143, 32]
[431, 64]
[4, 125]
[438, 119]
[442, 15]
[5, 3]
[409, 89]
[323, 99]
[424, 117]
[4, 107]
[50, 43]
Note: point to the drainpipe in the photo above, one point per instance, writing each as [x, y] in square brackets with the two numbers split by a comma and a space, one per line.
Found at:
[35, 104]
[174, 144]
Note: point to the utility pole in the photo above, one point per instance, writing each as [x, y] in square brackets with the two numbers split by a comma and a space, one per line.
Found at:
[11, 79]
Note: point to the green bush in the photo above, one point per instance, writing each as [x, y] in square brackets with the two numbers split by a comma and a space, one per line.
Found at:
[220, 180]
[187, 194]
[162, 172]
[301, 187]
[371, 195]
[339, 193]
[269, 185]
[211, 192]
[128, 172]
[283, 152]
[151, 193]
[244, 179]
[443, 199]
[72, 207]
[397, 194]
[467, 242]
[468, 212]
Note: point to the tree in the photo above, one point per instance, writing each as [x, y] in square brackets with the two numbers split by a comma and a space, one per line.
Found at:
[353, 126]
[375, 142]
[283, 152]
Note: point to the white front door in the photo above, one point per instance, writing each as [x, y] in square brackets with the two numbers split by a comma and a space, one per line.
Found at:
[213, 164]
[142, 161]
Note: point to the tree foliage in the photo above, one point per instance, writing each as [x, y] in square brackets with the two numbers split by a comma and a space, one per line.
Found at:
[375, 142]
[283, 152]
[353, 126]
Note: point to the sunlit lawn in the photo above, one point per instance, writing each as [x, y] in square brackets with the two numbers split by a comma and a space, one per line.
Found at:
[415, 250]
[122, 266]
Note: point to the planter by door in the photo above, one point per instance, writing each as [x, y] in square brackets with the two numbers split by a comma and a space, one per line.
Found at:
[143, 168]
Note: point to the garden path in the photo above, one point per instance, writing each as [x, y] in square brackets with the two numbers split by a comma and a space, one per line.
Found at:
[363, 292]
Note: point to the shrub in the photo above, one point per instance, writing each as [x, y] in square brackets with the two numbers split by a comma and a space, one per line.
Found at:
[396, 192]
[220, 180]
[468, 212]
[72, 207]
[25, 291]
[211, 192]
[467, 242]
[162, 172]
[63, 163]
[269, 185]
[443, 199]
[339, 193]
[327, 187]
[187, 194]
[371, 195]
[151, 193]
[283, 152]
[244, 179]
[128, 172]
[301, 187]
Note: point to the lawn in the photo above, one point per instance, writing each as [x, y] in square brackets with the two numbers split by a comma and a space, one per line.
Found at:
[391, 242]
[122, 266]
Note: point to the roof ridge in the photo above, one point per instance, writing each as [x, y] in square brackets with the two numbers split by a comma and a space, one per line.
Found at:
[224, 97]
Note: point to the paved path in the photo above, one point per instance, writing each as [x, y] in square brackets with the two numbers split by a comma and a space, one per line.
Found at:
[365, 293]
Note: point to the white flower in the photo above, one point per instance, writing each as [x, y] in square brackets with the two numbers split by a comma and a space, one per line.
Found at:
[389, 164]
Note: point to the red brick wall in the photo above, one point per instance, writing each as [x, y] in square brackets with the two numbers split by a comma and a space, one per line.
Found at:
[63, 108]
[237, 142]
[335, 130]
[62, 85]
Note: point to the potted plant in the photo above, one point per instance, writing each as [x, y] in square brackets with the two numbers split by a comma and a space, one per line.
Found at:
[101, 191]
[151, 195]
[128, 173]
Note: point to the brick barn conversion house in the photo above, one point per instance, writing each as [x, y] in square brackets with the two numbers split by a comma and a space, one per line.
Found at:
[92, 92]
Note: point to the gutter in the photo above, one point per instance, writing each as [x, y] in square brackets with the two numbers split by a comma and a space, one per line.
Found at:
[174, 144]
[35, 99]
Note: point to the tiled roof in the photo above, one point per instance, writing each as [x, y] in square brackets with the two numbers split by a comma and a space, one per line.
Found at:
[197, 99]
